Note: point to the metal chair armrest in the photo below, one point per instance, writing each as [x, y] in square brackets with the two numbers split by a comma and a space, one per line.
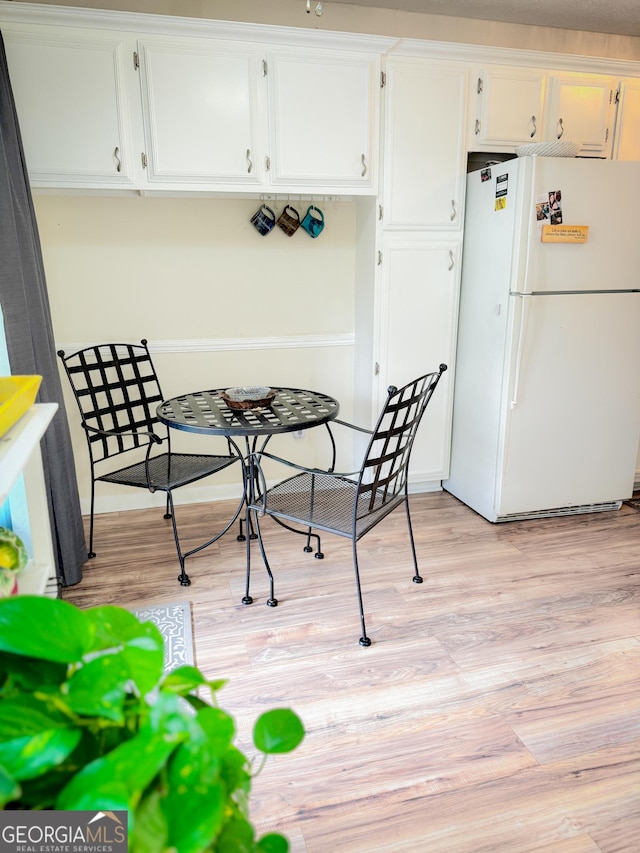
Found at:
[153, 438]
[352, 426]
[302, 468]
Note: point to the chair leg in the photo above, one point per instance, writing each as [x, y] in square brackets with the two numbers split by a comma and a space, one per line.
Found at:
[91, 553]
[247, 597]
[364, 640]
[272, 601]
[308, 549]
[183, 577]
[249, 526]
[416, 577]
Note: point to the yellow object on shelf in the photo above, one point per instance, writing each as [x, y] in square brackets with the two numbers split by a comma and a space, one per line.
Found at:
[17, 395]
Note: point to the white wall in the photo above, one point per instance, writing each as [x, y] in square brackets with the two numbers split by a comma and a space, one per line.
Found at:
[220, 304]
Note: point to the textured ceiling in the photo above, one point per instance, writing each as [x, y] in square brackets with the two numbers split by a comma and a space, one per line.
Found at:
[621, 17]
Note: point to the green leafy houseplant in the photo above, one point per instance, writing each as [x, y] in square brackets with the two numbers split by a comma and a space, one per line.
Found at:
[89, 720]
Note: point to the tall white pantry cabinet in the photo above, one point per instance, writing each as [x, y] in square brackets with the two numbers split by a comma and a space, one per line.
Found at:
[420, 215]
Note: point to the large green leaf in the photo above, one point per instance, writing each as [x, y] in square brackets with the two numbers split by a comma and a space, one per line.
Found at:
[148, 831]
[237, 836]
[47, 628]
[185, 679]
[219, 728]
[277, 731]
[32, 755]
[20, 673]
[133, 763]
[9, 788]
[99, 688]
[111, 625]
[236, 772]
[195, 801]
[273, 843]
[27, 715]
[109, 794]
[140, 644]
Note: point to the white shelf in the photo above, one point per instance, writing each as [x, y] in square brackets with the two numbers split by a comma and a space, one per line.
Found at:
[20, 454]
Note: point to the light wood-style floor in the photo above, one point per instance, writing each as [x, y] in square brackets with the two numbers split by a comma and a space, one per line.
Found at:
[498, 708]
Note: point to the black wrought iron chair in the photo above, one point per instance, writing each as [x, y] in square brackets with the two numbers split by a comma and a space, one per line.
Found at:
[349, 504]
[117, 391]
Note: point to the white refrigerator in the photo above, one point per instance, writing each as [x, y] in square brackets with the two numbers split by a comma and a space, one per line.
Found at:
[546, 412]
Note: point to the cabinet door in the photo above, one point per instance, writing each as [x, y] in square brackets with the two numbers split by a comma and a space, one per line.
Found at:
[627, 137]
[323, 116]
[510, 107]
[424, 146]
[72, 106]
[201, 112]
[581, 108]
[417, 319]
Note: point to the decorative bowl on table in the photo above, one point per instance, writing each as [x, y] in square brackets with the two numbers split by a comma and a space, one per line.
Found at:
[248, 397]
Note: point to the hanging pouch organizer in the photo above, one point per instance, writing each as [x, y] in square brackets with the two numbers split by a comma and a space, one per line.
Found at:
[313, 221]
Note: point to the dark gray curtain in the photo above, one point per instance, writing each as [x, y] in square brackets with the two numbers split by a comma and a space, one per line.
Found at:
[25, 304]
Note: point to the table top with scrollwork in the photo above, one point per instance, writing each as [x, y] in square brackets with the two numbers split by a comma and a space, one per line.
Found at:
[290, 410]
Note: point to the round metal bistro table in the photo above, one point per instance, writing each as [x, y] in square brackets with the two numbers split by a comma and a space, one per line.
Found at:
[206, 412]
[291, 409]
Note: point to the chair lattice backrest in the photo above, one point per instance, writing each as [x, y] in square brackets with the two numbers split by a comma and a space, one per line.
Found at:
[386, 465]
[117, 391]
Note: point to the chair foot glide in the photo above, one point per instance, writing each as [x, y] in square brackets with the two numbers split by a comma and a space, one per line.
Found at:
[365, 641]
[307, 549]
[185, 580]
[416, 579]
[319, 555]
[247, 600]
[91, 555]
[167, 515]
[272, 602]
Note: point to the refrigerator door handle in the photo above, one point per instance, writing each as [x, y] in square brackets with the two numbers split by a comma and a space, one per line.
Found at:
[520, 347]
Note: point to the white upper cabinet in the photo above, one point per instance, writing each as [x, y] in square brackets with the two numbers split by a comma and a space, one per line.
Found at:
[202, 115]
[516, 105]
[581, 108]
[627, 140]
[510, 107]
[323, 120]
[424, 144]
[72, 105]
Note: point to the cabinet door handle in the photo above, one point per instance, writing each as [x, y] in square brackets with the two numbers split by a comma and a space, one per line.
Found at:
[364, 166]
[477, 126]
[116, 154]
[534, 127]
[560, 129]
[451, 260]
[249, 162]
[454, 212]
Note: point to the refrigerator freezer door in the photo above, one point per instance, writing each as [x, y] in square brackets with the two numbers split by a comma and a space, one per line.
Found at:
[602, 194]
[572, 407]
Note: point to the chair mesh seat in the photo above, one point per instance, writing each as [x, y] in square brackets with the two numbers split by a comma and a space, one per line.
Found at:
[168, 472]
[327, 503]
